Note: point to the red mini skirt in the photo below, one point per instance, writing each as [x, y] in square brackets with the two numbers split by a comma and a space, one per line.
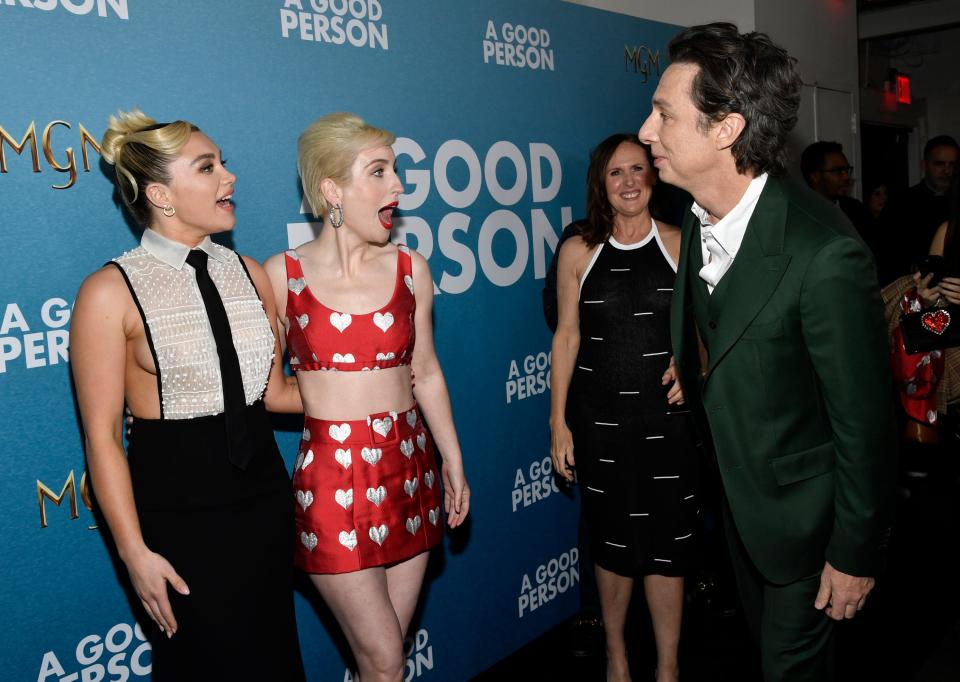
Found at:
[367, 492]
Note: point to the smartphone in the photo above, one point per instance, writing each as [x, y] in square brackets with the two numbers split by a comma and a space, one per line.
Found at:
[927, 264]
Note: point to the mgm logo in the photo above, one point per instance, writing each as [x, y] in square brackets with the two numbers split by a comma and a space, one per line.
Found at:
[641, 60]
[29, 141]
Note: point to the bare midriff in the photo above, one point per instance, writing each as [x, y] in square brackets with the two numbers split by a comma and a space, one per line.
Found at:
[354, 395]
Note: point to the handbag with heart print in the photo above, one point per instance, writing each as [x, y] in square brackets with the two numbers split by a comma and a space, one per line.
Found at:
[932, 329]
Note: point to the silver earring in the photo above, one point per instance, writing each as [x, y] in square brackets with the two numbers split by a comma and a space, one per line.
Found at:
[336, 216]
[169, 211]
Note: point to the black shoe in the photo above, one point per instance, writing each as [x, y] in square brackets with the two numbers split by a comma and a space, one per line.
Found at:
[585, 636]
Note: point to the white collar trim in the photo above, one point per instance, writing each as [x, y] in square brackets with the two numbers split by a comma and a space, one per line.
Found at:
[174, 253]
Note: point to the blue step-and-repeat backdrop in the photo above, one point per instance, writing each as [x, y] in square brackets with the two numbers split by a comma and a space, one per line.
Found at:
[496, 104]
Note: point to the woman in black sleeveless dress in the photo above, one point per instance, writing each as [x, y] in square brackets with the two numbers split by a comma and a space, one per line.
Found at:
[616, 410]
[200, 507]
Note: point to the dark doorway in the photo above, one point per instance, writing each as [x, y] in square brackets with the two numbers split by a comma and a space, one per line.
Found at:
[885, 160]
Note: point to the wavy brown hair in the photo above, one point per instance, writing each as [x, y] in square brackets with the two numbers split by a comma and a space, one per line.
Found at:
[746, 74]
[599, 224]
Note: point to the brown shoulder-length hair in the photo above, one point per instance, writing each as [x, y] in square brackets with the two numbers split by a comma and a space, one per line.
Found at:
[599, 225]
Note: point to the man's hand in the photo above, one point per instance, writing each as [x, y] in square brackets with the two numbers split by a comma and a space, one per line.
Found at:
[841, 595]
[675, 394]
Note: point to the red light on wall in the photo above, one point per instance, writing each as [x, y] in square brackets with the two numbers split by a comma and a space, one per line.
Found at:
[903, 88]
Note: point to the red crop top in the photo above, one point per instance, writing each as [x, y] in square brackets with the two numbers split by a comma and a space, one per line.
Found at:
[319, 338]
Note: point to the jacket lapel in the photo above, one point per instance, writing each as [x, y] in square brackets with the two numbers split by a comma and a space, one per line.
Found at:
[754, 275]
[681, 293]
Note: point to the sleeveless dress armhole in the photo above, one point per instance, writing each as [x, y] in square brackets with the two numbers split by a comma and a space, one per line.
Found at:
[249, 277]
[146, 330]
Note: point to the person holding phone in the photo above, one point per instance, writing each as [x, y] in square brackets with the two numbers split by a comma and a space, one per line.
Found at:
[942, 283]
[928, 382]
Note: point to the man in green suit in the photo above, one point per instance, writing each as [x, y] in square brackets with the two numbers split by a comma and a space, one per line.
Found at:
[780, 344]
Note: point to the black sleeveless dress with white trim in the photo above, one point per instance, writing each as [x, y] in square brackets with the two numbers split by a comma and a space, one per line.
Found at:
[636, 456]
[226, 531]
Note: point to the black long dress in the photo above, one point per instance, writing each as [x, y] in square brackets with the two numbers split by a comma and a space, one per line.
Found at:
[635, 454]
[228, 532]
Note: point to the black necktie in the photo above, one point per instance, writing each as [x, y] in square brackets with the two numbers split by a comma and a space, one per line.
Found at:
[234, 399]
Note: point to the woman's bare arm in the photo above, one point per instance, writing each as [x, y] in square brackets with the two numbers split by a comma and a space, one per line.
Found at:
[433, 398]
[283, 392]
[103, 319]
[574, 255]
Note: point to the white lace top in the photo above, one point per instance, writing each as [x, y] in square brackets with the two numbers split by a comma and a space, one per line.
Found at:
[178, 330]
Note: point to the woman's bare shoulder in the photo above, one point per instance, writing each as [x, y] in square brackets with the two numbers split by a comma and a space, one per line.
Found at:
[668, 230]
[103, 287]
[575, 247]
[275, 263]
[103, 300]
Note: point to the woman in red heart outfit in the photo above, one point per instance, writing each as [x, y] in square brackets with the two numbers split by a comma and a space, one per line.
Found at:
[357, 313]
[928, 382]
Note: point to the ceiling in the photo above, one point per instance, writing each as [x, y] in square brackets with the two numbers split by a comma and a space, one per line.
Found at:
[889, 18]
[877, 4]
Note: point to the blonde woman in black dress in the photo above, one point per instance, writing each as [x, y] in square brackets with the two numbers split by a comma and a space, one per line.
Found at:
[616, 410]
[181, 330]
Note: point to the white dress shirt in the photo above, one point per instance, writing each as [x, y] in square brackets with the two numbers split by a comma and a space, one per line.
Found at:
[720, 242]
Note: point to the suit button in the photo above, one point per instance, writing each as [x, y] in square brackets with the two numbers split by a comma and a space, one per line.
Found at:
[712, 324]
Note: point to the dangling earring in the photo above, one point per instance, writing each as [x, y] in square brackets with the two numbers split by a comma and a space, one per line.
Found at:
[169, 211]
[336, 216]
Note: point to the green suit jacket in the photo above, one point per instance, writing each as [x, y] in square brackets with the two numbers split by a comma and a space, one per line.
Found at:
[797, 389]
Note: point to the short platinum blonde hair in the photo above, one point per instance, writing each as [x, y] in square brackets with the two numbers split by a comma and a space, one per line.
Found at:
[328, 148]
[141, 150]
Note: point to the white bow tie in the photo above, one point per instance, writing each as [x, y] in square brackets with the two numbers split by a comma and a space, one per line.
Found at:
[719, 258]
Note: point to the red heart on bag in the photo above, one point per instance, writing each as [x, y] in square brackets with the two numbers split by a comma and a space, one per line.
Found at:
[936, 322]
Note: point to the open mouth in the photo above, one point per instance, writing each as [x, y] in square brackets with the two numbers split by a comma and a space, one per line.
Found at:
[226, 202]
[630, 196]
[385, 215]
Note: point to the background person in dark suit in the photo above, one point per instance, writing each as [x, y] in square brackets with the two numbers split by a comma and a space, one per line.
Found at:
[911, 218]
[827, 172]
[794, 382]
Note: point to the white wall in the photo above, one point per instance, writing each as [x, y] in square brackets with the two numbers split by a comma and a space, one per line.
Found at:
[943, 115]
[682, 12]
[822, 35]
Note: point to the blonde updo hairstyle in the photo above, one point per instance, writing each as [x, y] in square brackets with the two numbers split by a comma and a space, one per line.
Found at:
[141, 150]
[328, 148]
